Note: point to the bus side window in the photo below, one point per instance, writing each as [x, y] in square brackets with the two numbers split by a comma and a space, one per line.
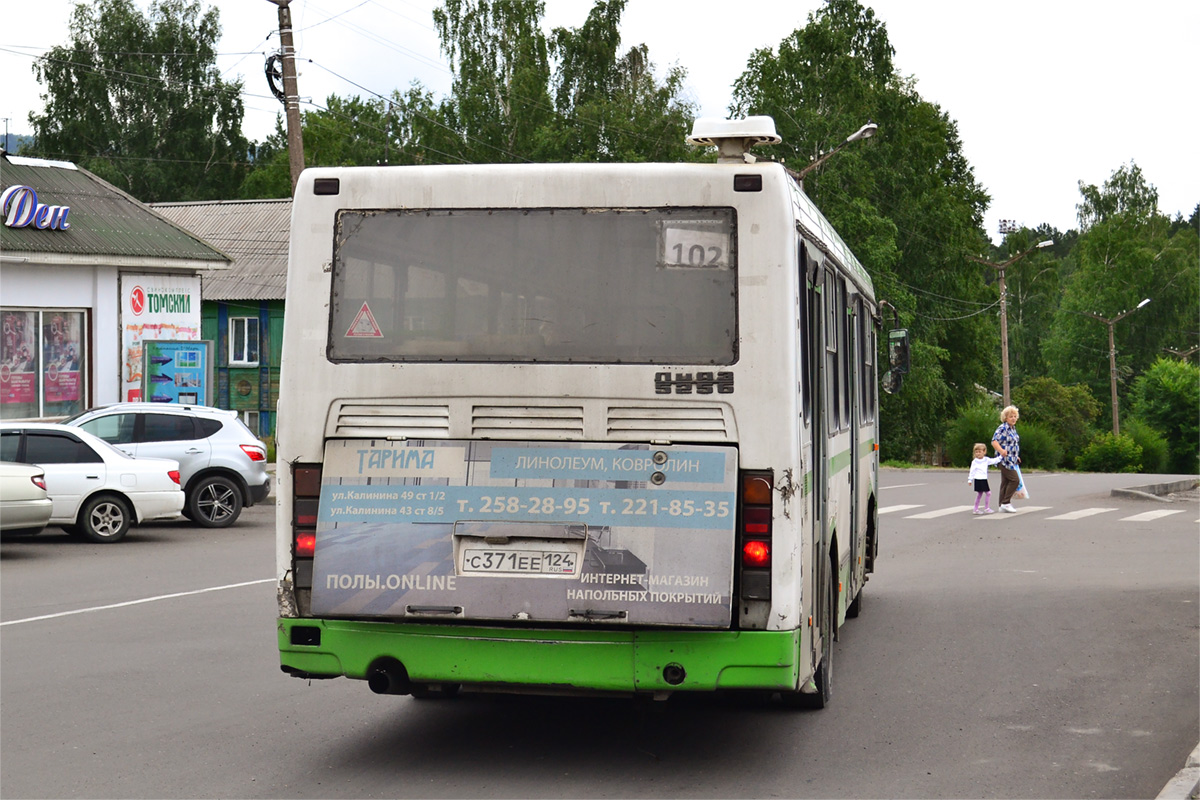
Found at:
[865, 360]
[833, 381]
[804, 354]
[844, 343]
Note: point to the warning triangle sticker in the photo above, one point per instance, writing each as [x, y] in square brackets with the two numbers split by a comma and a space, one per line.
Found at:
[364, 324]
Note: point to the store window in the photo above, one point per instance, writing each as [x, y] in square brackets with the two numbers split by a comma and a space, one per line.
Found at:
[42, 369]
[243, 341]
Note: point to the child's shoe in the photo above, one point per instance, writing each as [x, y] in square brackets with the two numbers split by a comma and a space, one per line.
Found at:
[988, 510]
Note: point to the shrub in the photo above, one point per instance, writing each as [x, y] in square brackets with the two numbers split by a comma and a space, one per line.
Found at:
[1066, 411]
[975, 423]
[1039, 447]
[1167, 396]
[1109, 453]
[1156, 456]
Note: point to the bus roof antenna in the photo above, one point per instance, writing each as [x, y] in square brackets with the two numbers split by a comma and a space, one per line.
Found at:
[733, 138]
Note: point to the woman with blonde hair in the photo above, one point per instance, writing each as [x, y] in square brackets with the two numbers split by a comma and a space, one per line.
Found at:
[1008, 445]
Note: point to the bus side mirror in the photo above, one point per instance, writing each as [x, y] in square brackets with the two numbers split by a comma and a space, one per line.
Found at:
[898, 361]
[898, 358]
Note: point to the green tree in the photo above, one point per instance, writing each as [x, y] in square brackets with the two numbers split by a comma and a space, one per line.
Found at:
[610, 107]
[1167, 396]
[1125, 194]
[137, 99]
[1126, 252]
[516, 96]
[975, 424]
[353, 131]
[906, 201]
[1109, 452]
[1034, 287]
[499, 99]
[1067, 412]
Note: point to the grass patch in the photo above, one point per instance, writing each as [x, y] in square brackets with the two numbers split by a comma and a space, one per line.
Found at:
[904, 465]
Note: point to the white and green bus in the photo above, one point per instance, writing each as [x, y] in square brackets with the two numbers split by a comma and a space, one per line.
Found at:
[574, 428]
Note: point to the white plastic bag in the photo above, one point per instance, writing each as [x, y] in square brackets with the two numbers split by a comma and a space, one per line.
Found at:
[1021, 493]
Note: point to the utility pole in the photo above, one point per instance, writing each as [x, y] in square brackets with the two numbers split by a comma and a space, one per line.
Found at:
[292, 98]
[1004, 307]
[1112, 354]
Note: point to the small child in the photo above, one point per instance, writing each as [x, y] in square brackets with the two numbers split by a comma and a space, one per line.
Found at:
[978, 476]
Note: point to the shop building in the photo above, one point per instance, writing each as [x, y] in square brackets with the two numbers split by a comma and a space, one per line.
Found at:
[88, 275]
[242, 308]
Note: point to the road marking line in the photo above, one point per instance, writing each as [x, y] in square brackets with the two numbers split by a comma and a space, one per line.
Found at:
[890, 509]
[941, 512]
[1150, 515]
[1020, 510]
[1083, 512]
[135, 602]
[902, 486]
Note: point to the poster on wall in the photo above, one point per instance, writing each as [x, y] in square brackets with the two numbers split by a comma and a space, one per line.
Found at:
[62, 343]
[18, 358]
[154, 307]
[177, 372]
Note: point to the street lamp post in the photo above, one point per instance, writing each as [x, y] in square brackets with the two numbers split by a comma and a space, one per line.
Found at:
[1183, 354]
[865, 132]
[1112, 354]
[1004, 309]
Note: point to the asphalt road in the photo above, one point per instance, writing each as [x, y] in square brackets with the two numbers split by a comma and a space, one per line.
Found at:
[1000, 656]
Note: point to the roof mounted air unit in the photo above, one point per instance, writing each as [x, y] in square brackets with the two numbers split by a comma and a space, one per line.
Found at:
[733, 138]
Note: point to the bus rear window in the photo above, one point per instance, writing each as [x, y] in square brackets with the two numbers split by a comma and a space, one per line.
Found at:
[636, 286]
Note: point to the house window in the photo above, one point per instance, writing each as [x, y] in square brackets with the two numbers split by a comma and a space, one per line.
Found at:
[243, 341]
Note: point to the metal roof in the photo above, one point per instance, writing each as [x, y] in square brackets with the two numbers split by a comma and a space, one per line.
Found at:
[254, 233]
[104, 222]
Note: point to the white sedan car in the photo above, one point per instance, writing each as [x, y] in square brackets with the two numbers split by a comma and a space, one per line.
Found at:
[97, 491]
[24, 507]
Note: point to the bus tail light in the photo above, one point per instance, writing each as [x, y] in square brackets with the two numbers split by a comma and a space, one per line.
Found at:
[756, 554]
[756, 490]
[306, 544]
[306, 500]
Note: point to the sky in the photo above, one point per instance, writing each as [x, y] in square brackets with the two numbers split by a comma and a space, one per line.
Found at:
[1045, 94]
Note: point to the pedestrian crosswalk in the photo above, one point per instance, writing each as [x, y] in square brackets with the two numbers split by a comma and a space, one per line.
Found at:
[941, 512]
[1025, 510]
[1083, 512]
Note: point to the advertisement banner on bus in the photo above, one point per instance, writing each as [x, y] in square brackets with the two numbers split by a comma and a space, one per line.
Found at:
[552, 532]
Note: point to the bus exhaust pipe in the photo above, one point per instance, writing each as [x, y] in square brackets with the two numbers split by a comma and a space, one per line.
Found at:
[674, 674]
[389, 677]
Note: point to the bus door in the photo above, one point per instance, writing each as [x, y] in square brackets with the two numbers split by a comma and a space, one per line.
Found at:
[818, 284]
[854, 363]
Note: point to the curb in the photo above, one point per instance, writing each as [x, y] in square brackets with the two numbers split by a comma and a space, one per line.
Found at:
[1186, 783]
[1155, 491]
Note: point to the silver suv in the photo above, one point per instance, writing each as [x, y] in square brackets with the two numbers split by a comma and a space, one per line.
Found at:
[222, 464]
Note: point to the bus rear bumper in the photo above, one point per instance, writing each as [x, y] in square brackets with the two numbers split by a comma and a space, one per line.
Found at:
[540, 659]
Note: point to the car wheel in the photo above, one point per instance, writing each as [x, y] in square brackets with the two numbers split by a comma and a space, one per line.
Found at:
[216, 502]
[105, 519]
